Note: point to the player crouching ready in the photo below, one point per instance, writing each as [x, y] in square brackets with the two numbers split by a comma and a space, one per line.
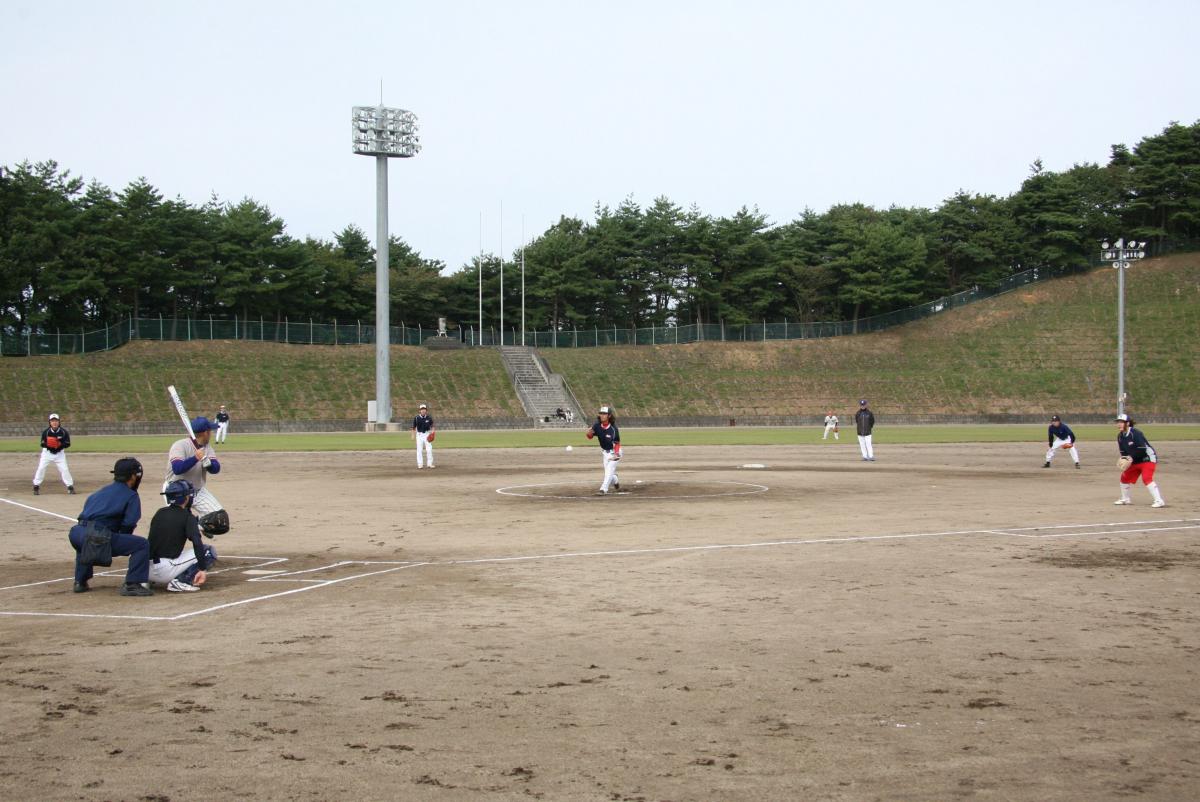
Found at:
[178, 556]
[1138, 458]
[605, 429]
[105, 530]
[1059, 435]
[195, 460]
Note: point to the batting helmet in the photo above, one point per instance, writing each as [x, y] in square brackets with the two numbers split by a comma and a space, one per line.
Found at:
[179, 491]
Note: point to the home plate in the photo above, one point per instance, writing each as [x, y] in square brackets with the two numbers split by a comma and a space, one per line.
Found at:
[261, 571]
[754, 465]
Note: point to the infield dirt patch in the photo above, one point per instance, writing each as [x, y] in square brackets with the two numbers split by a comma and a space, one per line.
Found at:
[948, 622]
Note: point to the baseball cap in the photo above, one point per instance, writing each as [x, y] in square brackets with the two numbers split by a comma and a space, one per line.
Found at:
[1056, 418]
[201, 424]
[862, 402]
[606, 410]
[422, 407]
[125, 468]
[53, 416]
[1121, 417]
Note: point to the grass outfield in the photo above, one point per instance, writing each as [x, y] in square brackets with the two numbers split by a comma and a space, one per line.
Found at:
[362, 441]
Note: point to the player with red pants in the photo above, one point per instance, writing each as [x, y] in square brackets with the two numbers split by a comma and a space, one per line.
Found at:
[605, 429]
[1138, 459]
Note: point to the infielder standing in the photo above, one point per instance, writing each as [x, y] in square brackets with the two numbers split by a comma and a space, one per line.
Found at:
[55, 442]
[222, 425]
[1138, 458]
[194, 461]
[864, 421]
[605, 428]
[831, 425]
[422, 432]
[1059, 436]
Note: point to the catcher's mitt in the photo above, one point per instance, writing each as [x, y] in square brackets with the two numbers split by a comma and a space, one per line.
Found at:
[1123, 463]
[431, 434]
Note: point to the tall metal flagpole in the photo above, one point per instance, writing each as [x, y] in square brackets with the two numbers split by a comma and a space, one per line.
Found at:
[479, 341]
[522, 280]
[502, 272]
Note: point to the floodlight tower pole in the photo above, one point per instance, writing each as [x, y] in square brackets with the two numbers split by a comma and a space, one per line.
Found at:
[383, 132]
[1121, 253]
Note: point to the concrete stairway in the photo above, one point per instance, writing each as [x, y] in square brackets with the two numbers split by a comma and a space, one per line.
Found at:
[541, 392]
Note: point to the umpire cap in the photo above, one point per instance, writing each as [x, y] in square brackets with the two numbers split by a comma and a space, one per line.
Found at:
[125, 469]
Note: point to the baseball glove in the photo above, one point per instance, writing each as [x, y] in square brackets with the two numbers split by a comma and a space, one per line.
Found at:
[1067, 446]
[51, 442]
[431, 434]
[1123, 463]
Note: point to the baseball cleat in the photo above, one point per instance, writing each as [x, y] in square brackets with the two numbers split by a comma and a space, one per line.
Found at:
[616, 485]
[1046, 465]
[1077, 466]
[70, 490]
[36, 490]
[179, 586]
[1121, 501]
[1159, 503]
[81, 587]
[135, 589]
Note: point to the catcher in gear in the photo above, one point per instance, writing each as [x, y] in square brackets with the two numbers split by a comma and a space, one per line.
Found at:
[605, 429]
[423, 434]
[1138, 459]
[178, 556]
[195, 461]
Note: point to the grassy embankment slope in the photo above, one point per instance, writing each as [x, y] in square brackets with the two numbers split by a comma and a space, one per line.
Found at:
[1049, 347]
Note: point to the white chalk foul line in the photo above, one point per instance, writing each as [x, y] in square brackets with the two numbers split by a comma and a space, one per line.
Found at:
[38, 509]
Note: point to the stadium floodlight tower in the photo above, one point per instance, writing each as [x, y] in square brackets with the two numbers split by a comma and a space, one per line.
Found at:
[384, 133]
[1121, 253]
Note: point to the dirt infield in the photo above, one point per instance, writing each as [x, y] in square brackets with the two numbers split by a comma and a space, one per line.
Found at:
[948, 622]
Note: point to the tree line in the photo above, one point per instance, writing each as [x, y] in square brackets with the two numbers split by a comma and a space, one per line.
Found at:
[78, 255]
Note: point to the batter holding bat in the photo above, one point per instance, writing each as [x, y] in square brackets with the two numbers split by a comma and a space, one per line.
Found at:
[193, 459]
[605, 429]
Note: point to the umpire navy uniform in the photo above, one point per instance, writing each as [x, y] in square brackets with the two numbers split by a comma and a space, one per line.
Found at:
[118, 509]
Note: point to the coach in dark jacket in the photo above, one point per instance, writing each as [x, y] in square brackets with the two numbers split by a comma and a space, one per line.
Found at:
[864, 421]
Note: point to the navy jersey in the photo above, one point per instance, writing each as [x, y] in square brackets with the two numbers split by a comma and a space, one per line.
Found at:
[222, 417]
[864, 421]
[55, 440]
[1134, 444]
[1061, 431]
[115, 507]
[422, 423]
[608, 435]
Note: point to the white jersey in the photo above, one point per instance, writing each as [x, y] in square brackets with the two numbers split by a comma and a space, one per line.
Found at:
[831, 420]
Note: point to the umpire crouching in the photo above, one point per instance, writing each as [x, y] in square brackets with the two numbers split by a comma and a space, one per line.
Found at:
[112, 513]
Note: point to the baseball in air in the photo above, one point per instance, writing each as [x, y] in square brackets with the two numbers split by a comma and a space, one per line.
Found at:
[570, 449]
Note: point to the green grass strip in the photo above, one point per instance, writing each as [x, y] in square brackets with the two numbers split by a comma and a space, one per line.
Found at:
[733, 435]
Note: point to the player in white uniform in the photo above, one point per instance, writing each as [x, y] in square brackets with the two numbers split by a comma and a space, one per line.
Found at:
[55, 442]
[831, 425]
[195, 461]
[422, 432]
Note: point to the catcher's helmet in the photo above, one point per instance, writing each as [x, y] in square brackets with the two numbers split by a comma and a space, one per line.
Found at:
[179, 491]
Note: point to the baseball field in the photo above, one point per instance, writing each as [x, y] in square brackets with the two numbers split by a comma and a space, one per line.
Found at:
[739, 622]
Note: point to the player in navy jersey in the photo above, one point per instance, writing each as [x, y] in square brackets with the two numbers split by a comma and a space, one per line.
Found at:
[605, 430]
[422, 432]
[1059, 435]
[1138, 459]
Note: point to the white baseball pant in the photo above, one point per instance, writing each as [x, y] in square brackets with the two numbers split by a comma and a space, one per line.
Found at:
[222, 432]
[610, 462]
[60, 462]
[1059, 442]
[830, 427]
[424, 447]
[864, 445]
[167, 568]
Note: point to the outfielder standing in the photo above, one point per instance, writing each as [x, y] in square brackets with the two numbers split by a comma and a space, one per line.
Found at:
[55, 442]
[864, 421]
[194, 461]
[222, 425]
[831, 425]
[1059, 436]
[605, 428]
[422, 432]
[1138, 458]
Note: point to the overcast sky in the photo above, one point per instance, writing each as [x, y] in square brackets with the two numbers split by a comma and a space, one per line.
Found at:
[553, 107]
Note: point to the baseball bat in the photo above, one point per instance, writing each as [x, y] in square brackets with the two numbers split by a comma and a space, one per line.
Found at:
[183, 416]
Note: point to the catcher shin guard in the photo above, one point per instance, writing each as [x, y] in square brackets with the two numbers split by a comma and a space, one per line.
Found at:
[215, 523]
